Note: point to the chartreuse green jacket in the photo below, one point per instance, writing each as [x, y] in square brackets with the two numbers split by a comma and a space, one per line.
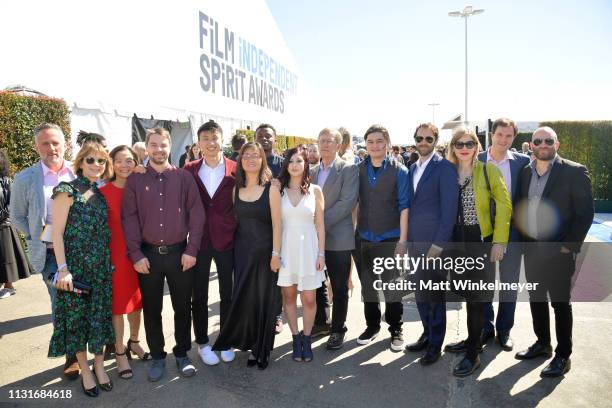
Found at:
[503, 204]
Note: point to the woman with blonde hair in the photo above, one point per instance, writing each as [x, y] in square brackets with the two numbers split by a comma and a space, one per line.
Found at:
[81, 238]
[482, 226]
[346, 148]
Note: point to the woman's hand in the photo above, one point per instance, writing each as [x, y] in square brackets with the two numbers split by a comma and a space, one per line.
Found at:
[275, 263]
[320, 263]
[497, 252]
[64, 280]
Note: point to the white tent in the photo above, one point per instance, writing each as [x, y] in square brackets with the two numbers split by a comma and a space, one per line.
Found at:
[186, 61]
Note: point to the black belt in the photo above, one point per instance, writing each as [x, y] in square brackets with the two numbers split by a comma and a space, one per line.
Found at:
[164, 249]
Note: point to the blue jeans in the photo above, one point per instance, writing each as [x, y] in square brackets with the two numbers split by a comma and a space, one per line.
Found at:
[509, 271]
[49, 269]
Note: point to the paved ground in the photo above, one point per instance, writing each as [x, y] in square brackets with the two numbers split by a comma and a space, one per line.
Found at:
[355, 376]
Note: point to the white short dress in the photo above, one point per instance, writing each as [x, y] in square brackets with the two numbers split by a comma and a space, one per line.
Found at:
[300, 245]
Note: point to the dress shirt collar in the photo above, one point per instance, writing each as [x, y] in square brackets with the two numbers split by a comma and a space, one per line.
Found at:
[63, 170]
[422, 166]
[221, 164]
[490, 158]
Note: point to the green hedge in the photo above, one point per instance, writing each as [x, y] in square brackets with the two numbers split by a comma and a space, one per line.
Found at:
[588, 143]
[19, 116]
[282, 142]
[585, 142]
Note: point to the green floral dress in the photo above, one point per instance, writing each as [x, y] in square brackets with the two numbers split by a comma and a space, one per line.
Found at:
[82, 320]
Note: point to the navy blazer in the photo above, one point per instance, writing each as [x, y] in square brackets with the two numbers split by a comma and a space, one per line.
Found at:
[517, 162]
[433, 208]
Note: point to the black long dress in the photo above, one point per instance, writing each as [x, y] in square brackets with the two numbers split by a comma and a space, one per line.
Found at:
[251, 318]
[14, 263]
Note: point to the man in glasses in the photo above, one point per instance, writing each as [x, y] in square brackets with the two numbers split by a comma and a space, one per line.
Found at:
[339, 181]
[510, 164]
[161, 208]
[433, 213]
[31, 208]
[555, 215]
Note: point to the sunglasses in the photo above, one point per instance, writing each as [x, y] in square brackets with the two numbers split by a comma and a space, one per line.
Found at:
[470, 145]
[92, 160]
[549, 141]
[428, 139]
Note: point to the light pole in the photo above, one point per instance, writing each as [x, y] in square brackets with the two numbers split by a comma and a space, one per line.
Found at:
[467, 12]
[433, 111]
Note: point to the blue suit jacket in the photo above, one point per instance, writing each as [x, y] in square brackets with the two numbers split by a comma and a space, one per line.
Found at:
[517, 162]
[433, 209]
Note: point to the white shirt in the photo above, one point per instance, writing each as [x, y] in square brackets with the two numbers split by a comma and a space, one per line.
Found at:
[212, 176]
[504, 166]
[420, 169]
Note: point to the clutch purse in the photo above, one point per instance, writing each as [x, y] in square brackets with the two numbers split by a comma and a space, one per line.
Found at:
[78, 287]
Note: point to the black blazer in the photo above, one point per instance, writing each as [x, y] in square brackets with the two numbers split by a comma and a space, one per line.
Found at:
[565, 212]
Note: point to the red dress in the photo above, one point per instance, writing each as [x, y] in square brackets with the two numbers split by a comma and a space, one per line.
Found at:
[126, 291]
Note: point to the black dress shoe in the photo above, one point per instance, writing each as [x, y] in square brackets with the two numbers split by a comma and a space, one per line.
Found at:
[431, 356]
[505, 341]
[466, 367]
[557, 367]
[335, 341]
[485, 336]
[458, 347]
[320, 330]
[420, 344]
[92, 392]
[534, 351]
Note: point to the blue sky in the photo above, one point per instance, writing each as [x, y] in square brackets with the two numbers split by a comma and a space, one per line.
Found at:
[365, 62]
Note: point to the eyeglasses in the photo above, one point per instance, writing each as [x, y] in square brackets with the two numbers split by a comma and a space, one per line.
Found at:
[92, 160]
[428, 139]
[327, 141]
[251, 157]
[470, 145]
[549, 141]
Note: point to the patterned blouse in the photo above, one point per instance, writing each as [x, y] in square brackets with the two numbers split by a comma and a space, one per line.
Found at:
[467, 202]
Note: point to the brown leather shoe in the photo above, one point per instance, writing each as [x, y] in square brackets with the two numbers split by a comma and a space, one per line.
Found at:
[71, 368]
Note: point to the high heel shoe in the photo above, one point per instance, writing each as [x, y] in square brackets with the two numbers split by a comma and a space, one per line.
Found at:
[307, 354]
[92, 392]
[126, 374]
[129, 351]
[107, 386]
[297, 347]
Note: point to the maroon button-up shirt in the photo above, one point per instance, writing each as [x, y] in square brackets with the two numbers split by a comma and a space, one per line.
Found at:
[162, 209]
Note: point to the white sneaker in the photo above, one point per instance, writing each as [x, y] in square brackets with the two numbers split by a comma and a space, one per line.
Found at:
[208, 356]
[6, 292]
[228, 355]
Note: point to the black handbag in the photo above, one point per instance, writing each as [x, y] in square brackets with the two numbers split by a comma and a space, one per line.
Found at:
[77, 286]
[491, 200]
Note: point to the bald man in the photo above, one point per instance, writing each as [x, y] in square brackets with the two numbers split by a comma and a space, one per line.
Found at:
[554, 214]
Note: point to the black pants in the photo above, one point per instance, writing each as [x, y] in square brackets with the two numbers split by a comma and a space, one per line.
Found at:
[364, 253]
[152, 288]
[201, 276]
[322, 315]
[553, 276]
[474, 247]
[338, 269]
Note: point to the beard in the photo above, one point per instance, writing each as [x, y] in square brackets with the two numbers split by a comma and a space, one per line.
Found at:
[425, 150]
[544, 154]
[159, 159]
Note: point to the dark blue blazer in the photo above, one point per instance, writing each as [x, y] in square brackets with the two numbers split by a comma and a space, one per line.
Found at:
[517, 162]
[433, 208]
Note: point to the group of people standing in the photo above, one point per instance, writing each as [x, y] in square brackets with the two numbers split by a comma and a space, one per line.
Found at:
[278, 226]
